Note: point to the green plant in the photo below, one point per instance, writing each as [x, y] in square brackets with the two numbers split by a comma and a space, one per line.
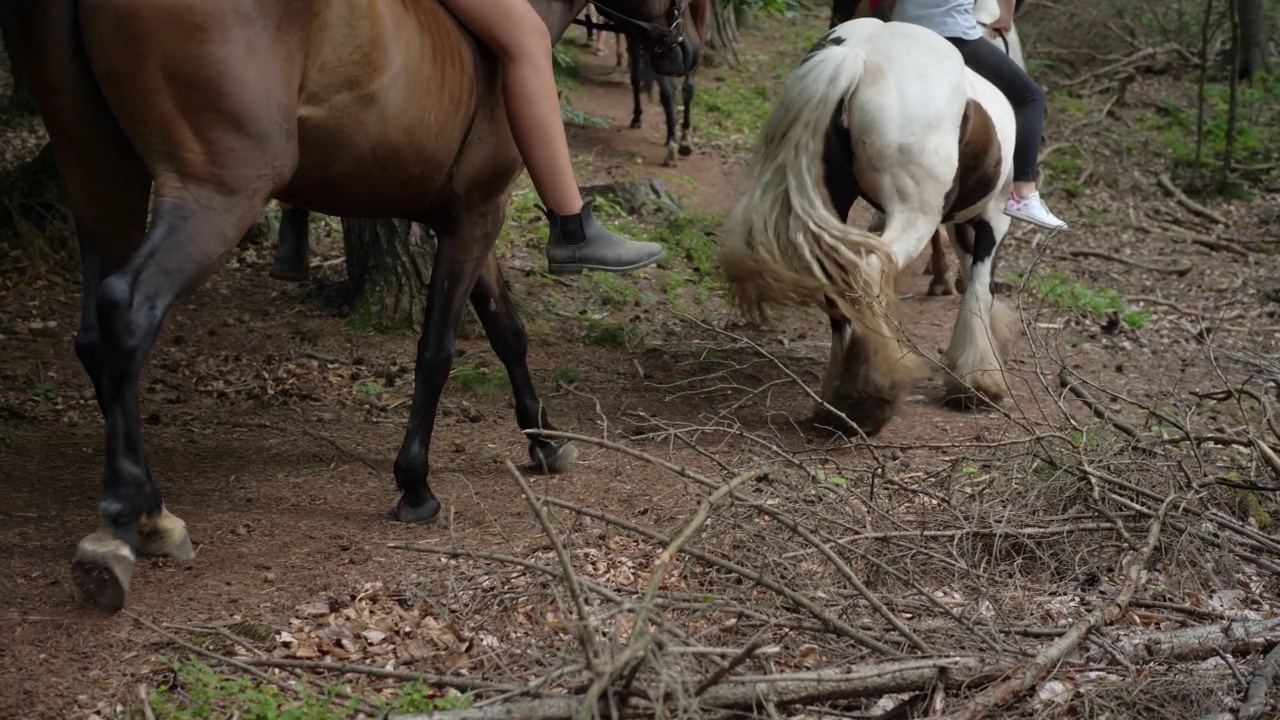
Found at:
[481, 379]
[1068, 295]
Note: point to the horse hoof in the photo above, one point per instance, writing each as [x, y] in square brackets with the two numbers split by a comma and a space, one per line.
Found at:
[939, 288]
[868, 418]
[685, 151]
[635, 125]
[552, 459]
[167, 536]
[427, 513]
[986, 389]
[101, 569]
[290, 274]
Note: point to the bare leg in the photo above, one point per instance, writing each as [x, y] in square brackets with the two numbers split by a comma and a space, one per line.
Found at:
[522, 42]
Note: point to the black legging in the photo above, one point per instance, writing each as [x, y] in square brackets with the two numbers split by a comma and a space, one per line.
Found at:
[1024, 94]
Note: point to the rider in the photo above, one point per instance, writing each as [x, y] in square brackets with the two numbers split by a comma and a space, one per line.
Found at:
[954, 20]
[513, 31]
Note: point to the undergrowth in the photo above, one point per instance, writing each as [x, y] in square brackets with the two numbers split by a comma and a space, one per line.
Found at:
[196, 690]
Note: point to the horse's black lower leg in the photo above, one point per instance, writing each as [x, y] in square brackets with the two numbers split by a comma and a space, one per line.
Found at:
[293, 249]
[186, 239]
[686, 127]
[667, 94]
[636, 62]
[462, 247]
[510, 343]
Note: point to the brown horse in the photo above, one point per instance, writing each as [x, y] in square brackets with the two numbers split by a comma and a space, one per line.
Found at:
[293, 250]
[367, 108]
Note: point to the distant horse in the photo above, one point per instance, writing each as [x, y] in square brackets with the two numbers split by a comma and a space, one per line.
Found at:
[643, 77]
[887, 112]
[985, 12]
[379, 108]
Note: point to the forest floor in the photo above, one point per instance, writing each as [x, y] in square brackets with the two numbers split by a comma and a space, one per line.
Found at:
[272, 421]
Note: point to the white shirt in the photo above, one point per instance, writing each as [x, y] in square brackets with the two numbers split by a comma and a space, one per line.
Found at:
[948, 18]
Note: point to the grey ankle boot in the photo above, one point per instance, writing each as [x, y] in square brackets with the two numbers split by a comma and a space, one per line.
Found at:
[578, 242]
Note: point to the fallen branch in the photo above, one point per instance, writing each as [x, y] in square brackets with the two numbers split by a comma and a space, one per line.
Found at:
[1234, 637]
[1255, 700]
[1186, 202]
[751, 692]
[1050, 657]
[1178, 307]
[584, 631]
[1181, 269]
[1130, 60]
[1070, 382]
[459, 683]
[641, 637]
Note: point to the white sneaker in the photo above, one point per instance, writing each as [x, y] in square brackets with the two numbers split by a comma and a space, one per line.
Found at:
[1032, 210]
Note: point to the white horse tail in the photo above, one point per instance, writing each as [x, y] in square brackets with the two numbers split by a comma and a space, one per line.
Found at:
[785, 244]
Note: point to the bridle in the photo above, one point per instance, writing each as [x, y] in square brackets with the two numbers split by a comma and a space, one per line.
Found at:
[668, 37]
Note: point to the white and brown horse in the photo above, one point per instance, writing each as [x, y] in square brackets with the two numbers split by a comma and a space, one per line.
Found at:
[887, 112]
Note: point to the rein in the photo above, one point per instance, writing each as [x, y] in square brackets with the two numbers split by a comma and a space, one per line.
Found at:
[1003, 38]
[619, 23]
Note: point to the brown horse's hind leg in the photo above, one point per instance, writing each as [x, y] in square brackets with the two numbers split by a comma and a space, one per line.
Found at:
[186, 239]
[510, 343]
[463, 246]
[109, 186]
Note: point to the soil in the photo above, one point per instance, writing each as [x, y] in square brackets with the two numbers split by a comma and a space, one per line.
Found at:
[266, 437]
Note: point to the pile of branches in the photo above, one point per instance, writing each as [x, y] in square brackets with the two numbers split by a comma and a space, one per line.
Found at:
[1047, 573]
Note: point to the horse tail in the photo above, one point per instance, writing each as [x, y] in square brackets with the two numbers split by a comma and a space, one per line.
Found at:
[785, 244]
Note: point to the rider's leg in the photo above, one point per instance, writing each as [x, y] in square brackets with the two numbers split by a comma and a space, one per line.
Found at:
[520, 39]
[1028, 102]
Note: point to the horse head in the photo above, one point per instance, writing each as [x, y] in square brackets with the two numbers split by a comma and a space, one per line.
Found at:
[669, 31]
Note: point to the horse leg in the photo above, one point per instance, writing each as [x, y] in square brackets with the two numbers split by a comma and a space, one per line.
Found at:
[463, 244]
[938, 263]
[962, 239]
[686, 127]
[510, 342]
[984, 325]
[667, 94]
[637, 79]
[293, 248]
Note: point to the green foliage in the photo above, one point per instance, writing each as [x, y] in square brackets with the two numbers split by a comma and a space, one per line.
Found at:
[199, 691]
[481, 379]
[1257, 133]
[1068, 295]
[785, 8]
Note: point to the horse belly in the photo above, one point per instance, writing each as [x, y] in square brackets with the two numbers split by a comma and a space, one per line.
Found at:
[387, 99]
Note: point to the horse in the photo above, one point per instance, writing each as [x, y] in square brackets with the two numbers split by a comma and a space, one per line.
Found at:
[380, 108]
[887, 112]
[985, 12]
[643, 78]
[291, 262]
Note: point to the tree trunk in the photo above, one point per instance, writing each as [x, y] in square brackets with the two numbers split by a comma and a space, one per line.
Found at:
[1252, 37]
[723, 33]
[388, 266]
[20, 101]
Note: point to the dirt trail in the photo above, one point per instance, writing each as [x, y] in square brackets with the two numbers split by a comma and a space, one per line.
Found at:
[274, 476]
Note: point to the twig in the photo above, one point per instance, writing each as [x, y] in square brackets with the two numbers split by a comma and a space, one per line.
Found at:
[1178, 307]
[1181, 269]
[829, 622]
[216, 657]
[1070, 382]
[1048, 658]
[1255, 701]
[641, 637]
[342, 448]
[715, 677]
[1141, 54]
[751, 692]
[570, 578]
[147, 712]
[1186, 202]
